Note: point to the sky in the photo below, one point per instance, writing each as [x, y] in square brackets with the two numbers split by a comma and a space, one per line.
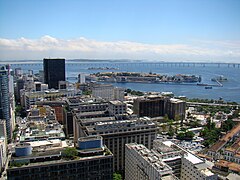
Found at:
[154, 30]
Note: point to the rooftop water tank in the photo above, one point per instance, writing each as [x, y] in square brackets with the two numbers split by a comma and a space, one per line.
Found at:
[90, 142]
[23, 149]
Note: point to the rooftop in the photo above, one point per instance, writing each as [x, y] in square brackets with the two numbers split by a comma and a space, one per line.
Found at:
[151, 158]
[117, 102]
[218, 145]
[231, 165]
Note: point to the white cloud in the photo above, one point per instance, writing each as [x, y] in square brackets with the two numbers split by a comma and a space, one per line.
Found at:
[47, 46]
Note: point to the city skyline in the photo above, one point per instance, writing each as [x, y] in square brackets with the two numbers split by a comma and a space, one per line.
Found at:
[156, 30]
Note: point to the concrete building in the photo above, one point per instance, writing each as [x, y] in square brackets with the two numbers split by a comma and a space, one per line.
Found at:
[117, 107]
[29, 98]
[3, 153]
[107, 92]
[141, 163]
[117, 133]
[175, 108]
[41, 124]
[151, 106]
[195, 168]
[83, 106]
[81, 78]
[192, 167]
[5, 101]
[170, 154]
[3, 130]
[155, 106]
[92, 161]
[180, 163]
[58, 106]
[54, 71]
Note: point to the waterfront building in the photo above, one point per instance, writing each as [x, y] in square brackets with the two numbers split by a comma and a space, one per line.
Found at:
[141, 163]
[46, 160]
[107, 92]
[5, 101]
[81, 78]
[117, 133]
[54, 71]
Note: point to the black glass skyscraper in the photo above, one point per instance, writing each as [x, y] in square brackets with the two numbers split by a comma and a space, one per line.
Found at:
[4, 100]
[54, 71]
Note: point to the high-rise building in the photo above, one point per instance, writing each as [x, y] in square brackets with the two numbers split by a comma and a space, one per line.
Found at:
[54, 71]
[5, 101]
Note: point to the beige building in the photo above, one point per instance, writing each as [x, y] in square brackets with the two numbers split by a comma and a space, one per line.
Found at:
[117, 133]
[141, 164]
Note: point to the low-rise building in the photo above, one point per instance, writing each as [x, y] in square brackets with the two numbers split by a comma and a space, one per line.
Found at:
[91, 161]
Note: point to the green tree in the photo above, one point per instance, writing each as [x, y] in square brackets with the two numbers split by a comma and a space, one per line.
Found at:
[69, 153]
[117, 176]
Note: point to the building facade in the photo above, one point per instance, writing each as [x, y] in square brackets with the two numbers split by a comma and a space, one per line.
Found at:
[155, 106]
[54, 71]
[141, 163]
[92, 161]
[117, 133]
[151, 106]
[5, 101]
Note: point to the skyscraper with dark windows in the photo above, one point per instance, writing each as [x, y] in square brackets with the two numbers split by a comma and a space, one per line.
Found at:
[5, 101]
[54, 71]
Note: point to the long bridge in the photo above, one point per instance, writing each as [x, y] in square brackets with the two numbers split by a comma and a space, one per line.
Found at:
[211, 104]
[134, 63]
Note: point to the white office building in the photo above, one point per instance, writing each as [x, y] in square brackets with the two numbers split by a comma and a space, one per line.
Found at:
[141, 163]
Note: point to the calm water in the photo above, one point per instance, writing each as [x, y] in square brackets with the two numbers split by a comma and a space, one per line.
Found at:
[229, 92]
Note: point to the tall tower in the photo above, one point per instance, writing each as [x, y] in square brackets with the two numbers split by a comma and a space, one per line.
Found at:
[5, 100]
[54, 71]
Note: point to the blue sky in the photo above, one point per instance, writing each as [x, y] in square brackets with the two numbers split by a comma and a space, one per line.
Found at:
[151, 29]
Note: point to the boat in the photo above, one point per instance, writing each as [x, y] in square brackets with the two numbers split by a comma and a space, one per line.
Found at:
[208, 87]
[219, 78]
